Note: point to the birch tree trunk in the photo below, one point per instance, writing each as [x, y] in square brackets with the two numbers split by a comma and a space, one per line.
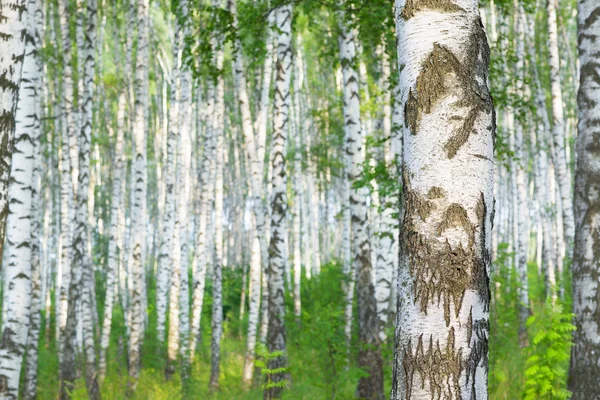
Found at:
[369, 358]
[276, 336]
[81, 263]
[584, 371]
[170, 272]
[12, 47]
[17, 270]
[217, 254]
[138, 219]
[115, 245]
[255, 152]
[166, 246]
[38, 273]
[443, 309]
[204, 190]
[563, 175]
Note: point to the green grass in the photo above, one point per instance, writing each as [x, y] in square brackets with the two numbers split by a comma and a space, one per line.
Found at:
[316, 347]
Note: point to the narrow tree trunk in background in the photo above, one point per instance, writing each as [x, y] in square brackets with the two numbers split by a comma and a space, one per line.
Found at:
[445, 243]
[369, 357]
[563, 176]
[66, 191]
[138, 219]
[166, 246]
[204, 195]
[170, 261]
[12, 47]
[217, 254]
[115, 245]
[522, 213]
[184, 161]
[255, 152]
[17, 270]
[276, 336]
[585, 371]
[38, 273]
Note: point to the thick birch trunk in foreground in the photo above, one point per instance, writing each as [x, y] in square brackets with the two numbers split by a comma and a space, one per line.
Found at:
[138, 208]
[585, 371]
[563, 174]
[369, 357]
[12, 46]
[17, 271]
[442, 328]
[276, 336]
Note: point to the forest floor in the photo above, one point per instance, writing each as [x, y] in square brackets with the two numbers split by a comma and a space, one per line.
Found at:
[316, 348]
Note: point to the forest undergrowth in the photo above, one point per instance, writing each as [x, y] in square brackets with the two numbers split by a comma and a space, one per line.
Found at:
[317, 350]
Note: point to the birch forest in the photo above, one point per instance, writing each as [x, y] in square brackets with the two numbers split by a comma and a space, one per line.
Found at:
[300, 199]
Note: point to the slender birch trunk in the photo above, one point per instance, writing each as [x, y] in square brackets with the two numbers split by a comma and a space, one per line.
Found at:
[255, 152]
[369, 358]
[170, 262]
[17, 270]
[276, 336]
[445, 244]
[66, 183]
[563, 174]
[584, 371]
[204, 190]
[138, 218]
[217, 254]
[38, 272]
[13, 25]
[114, 245]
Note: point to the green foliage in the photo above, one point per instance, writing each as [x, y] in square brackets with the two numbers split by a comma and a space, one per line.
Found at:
[263, 356]
[546, 371]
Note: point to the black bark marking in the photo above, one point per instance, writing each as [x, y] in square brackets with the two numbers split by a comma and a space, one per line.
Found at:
[440, 367]
[413, 6]
[443, 70]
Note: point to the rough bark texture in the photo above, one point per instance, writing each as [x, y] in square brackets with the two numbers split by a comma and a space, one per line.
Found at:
[276, 337]
[139, 172]
[442, 327]
[369, 357]
[13, 19]
[585, 371]
[17, 269]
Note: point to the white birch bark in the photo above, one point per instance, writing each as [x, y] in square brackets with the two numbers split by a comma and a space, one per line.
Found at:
[12, 47]
[217, 253]
[369, 357]
[17, 268]
[166, 246]
[276, 336]
[443, 309]
[584, 371]
[66, 191]
[255, 152]
[115, 245]
[204, 190]
[138, 207]
[563, 174]
[36, 15]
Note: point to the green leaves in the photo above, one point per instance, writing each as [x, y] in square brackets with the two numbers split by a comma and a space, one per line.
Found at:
[263, 356]
[550, 349]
